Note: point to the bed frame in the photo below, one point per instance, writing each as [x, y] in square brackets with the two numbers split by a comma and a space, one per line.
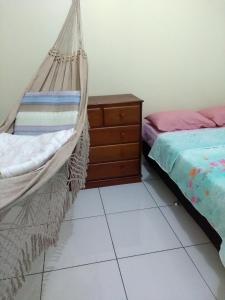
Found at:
[202, 222]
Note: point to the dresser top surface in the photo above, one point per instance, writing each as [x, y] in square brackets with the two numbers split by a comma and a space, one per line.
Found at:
[113, 99]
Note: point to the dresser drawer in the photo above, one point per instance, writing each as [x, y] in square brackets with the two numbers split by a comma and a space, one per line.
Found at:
[115, 135]
[112, 153]
[95, 117]
[126, 115]
[113, 170]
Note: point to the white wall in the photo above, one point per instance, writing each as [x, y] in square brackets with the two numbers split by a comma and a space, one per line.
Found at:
[171, 53]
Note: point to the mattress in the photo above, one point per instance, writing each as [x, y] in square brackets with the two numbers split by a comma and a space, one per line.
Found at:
[149, 133]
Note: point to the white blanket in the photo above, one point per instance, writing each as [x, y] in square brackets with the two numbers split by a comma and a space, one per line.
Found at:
[21, 154]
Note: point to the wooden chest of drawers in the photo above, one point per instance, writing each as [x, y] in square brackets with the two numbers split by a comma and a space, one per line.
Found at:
[115, 133]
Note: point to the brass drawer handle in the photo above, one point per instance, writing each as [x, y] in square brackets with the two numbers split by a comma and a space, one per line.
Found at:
[122, 167]
[122, 135]
[122, 115]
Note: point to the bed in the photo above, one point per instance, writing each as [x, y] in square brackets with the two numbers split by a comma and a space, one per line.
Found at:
[192, 163]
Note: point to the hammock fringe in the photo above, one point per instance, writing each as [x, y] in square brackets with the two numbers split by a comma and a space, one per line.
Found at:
[35, 244]
[33, 206]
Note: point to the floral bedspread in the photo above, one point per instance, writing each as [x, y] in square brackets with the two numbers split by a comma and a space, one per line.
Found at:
[196, 162]
[168, 146]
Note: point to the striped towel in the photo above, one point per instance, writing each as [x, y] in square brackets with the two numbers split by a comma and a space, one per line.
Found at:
[45, 112]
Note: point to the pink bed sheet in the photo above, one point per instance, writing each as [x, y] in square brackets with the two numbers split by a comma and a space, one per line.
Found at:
[149, 133]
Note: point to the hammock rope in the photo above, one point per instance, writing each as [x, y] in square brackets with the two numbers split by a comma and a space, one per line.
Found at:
[33, 205]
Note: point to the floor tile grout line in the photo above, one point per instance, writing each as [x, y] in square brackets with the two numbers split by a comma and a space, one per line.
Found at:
[164, 250]
[25, 275]
[117, 259]
[81, 218]
[150, 193]
[149, 253]
[114, 249]
[159, 207]
[117, 212]
[130, 210]
[171, 227]
[186, 252]
[200, 273]
[29, 274]
[114, 259]
[110, 213]
[79, 266]
[42, 278]
[183, 246]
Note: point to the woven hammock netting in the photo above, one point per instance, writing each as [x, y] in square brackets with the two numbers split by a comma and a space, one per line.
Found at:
[33, 205]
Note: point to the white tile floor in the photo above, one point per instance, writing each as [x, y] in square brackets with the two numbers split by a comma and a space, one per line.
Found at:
[128, 243]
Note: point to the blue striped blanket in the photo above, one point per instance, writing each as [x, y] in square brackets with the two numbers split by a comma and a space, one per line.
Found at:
[44, 112]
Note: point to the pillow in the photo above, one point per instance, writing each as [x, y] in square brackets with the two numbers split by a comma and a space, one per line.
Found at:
[179, 120]
[216, 114]
[45, 112]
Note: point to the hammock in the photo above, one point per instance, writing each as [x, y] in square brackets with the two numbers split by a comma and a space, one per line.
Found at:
[33, 205]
